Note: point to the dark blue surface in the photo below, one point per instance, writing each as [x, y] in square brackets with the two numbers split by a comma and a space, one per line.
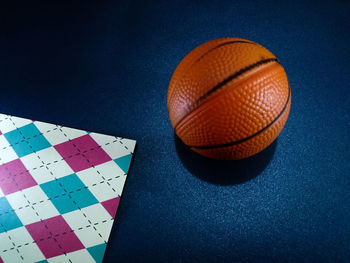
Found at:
[106, 68]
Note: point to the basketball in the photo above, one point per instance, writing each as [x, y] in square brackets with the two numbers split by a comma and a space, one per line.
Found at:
[229, 98]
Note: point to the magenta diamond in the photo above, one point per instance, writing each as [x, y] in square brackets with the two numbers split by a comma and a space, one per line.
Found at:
[54, 236]
[82, 153]
[111, 205]
[14, 177]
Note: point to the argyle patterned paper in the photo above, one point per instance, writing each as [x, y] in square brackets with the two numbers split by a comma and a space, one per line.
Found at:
[59, 191]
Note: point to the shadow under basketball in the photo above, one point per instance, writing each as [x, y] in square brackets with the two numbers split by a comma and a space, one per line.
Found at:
[222, 172]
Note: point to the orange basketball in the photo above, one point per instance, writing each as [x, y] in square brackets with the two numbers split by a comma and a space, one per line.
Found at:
[229, 98]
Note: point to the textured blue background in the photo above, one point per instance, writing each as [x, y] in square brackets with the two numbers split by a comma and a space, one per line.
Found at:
[107, 67]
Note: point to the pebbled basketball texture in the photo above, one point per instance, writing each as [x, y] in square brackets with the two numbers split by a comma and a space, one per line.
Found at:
[229, 98]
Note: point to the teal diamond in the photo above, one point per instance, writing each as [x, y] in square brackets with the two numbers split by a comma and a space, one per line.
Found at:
[124, 162]
[97, 252]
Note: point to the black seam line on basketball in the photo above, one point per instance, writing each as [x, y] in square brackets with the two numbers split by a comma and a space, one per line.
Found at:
[232, 77]
[250, 137]
[221, 45]
[225, 81]
[216, 47]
